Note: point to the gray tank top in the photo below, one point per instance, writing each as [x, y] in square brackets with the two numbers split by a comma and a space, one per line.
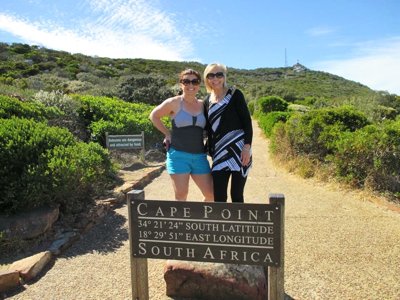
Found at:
[187, 131]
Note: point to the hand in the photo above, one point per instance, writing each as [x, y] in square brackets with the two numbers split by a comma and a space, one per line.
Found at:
[167, 142]
[245, 155]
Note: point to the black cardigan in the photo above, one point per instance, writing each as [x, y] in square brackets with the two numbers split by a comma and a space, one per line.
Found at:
[236, 116]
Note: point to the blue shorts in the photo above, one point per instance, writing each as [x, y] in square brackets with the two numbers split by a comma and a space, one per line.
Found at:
[180, 162]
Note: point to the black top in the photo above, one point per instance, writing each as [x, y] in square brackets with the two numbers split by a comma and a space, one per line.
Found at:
[236, 116]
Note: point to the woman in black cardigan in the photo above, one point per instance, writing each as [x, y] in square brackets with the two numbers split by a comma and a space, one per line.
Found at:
[230, 134]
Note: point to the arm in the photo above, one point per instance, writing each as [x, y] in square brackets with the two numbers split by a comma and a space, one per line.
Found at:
[244, 114]
[209, 143]
[163, 110]
[245, 117]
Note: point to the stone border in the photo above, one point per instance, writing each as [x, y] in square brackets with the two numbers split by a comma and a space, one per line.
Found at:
[26, 269]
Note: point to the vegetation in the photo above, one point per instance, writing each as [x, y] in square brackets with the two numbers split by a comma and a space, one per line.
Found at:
[37, 68]
[46, 165]
[339, 141]
[56, 108]
[115, 116]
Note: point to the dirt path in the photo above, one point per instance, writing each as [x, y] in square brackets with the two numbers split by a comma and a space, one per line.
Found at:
[337, 245]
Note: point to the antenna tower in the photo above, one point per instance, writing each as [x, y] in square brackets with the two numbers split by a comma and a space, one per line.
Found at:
[286, 59]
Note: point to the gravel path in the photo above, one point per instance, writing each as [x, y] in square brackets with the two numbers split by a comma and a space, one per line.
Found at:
[338, 245]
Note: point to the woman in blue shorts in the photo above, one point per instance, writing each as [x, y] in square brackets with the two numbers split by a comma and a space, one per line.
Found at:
[186, 155]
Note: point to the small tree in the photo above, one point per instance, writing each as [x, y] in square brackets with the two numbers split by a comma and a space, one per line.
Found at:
[271, 103]
[146, 89]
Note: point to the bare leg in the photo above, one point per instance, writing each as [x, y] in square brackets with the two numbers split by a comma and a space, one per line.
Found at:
[205, 184]
[180, 183]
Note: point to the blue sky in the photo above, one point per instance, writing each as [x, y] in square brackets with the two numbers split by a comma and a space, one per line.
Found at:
[356, 39]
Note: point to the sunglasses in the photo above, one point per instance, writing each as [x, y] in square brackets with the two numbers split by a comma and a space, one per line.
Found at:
[188, 81]
[212, 75]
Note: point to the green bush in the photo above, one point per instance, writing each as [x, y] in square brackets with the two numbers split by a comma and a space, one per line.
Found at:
[271, 103]
[314, 133]
[268, 121]
[13, 107]
[112, 115]
[45, 165]
[370, 156]
[77, 172]
[7, 89]
[298, 108]
[59, 100]
[146, 89]
[251, 105]
[69, 107]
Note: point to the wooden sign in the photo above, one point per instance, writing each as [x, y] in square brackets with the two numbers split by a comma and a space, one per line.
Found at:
[200, 231]
[209, 232]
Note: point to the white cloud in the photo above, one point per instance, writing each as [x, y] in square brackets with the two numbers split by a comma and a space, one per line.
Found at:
[320, 31]
[120, 29]
[374, 63]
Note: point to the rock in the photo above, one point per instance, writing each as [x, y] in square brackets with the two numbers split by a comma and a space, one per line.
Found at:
[111, 201]
[8, 280]
[155, 155]
[214, 281]
[28, 225]
[31, 266]
[63, 241]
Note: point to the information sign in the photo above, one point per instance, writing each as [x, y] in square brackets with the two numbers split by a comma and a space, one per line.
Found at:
[125, 141]
[209, 232]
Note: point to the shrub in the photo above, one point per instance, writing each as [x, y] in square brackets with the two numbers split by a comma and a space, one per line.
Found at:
[314, 133]
[147, 89]
[48, 82]
[70, 118]
[13, 107]
[13, 91]
[370, 155]
[77, 172]
[45, 165]
[251, 105]
[268, 121]
[271, 103]
[298, 108]
[280, 143]
[60, 100]
[103, 114]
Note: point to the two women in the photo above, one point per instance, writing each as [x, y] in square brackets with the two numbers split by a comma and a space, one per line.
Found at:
[229, 131]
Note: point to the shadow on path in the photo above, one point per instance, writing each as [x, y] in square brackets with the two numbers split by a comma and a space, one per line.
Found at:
[106, 236]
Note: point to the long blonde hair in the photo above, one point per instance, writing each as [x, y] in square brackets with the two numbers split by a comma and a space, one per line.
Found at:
[208, 70]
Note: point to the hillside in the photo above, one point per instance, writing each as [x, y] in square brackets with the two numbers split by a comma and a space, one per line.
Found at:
[36, 68]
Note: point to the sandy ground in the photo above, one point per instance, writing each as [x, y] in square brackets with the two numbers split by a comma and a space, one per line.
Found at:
[338, 244]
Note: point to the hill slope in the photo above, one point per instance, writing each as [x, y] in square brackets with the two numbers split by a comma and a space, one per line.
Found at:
[34, 67]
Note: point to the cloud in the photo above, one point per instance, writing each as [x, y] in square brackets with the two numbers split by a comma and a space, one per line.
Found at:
[373, 63]
[320, 31]
[117, 29]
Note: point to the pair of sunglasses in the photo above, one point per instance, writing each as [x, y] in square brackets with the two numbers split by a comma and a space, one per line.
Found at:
[218, 75]
[188, 81]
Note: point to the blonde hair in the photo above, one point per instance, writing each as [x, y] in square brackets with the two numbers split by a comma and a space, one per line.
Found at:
[208, 70]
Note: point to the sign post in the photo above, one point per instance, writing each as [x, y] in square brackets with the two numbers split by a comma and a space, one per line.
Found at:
[139, 274]
[275, 275]
[235, 233]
